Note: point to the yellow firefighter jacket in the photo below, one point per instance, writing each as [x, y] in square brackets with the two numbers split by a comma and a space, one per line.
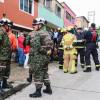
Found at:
[67, 42]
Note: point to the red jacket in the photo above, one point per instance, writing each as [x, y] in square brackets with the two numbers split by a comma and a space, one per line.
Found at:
[20, 41]
[27, 49]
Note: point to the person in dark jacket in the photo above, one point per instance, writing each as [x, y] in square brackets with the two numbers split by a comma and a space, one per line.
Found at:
[91, 48]
[81, 48]
[60, 48]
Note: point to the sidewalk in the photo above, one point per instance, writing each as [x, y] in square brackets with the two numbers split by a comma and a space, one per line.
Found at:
[80, 86]
[18, 73]
[17, 79]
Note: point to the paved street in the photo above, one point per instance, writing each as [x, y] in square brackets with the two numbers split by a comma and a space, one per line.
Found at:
[80, 86]
[69, 24]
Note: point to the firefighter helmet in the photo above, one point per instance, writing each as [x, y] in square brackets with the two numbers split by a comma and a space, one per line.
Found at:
[63, 30]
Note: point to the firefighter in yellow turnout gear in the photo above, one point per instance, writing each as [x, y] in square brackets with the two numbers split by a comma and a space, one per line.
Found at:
[69, 51]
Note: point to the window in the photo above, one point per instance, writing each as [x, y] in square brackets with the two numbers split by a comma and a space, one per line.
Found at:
[68, 16]
[27, 6]
[2, 1]
[30, 7]
[72, 20]
[47, 3]
[58, 11]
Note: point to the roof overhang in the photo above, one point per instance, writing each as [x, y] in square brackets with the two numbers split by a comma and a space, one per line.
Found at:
[22, 27]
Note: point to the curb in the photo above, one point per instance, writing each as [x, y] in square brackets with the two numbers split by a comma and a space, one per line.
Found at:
[12, 91]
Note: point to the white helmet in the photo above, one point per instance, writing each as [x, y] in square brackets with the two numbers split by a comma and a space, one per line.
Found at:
[59, 28]
[6, 22]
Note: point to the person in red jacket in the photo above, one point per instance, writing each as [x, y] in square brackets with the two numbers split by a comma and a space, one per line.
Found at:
[21, 49]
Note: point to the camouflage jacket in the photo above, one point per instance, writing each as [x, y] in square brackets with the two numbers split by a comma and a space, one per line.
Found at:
[40, 43]
[5, 48]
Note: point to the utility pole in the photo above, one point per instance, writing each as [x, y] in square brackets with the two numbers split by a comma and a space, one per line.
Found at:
[91, 16]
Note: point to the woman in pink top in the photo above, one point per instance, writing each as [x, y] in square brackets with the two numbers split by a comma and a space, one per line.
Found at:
[26, 52]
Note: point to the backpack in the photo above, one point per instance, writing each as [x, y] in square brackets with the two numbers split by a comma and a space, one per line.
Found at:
[94, 35]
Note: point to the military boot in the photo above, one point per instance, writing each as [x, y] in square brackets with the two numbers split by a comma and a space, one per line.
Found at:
[29, 79]
[1, 90]
[82, 65]
[48, 89]
[36, 94]
[97, 67]
[5, 84]
[88, 69]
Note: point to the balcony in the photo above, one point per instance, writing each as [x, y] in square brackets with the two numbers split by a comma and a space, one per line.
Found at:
[50, 16]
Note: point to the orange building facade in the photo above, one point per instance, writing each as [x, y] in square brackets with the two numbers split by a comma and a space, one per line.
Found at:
[21, 12]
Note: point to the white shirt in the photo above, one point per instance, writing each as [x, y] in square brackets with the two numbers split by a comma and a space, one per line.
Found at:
[55, 35]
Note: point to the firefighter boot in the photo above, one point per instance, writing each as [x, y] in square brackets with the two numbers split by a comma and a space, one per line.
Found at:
[60, 66]
[97, 68]
[82, 65]
[37, 93]
[48, 89]
[65, 69]
[73, 69]
[88, 69]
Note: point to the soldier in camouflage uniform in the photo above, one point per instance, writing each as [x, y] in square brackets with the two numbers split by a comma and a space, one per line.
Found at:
[5, 54]
[39, 57]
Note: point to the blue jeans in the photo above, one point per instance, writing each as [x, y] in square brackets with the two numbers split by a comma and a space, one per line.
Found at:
[21, 56]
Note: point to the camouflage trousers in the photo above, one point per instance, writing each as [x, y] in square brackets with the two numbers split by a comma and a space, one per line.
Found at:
[40, 75]
[5, 71]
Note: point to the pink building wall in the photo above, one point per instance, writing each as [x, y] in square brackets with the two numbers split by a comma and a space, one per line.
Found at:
[66, 21]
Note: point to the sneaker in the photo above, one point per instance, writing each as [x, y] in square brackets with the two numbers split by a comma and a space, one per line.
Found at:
[27, 67]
